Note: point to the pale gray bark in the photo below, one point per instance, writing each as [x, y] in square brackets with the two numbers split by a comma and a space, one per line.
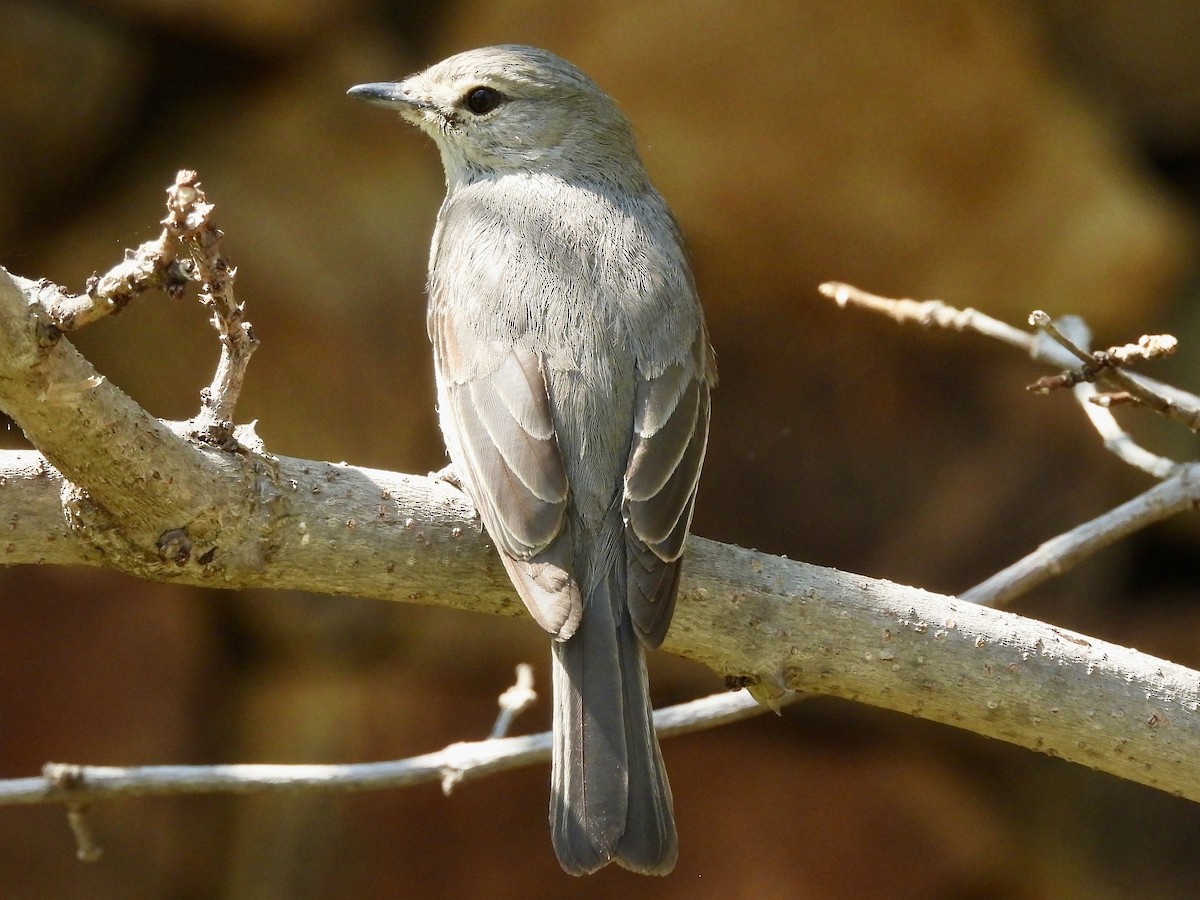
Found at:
[143, 498]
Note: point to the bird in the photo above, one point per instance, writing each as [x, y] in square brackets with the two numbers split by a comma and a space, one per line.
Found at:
[574, 370]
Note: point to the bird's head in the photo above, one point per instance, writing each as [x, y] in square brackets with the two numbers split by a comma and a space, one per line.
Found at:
[512, 109]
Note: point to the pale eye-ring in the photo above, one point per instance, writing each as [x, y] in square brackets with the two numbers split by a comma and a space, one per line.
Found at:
[482, 100]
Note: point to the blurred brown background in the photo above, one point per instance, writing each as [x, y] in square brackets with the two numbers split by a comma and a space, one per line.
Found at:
[1001, 155]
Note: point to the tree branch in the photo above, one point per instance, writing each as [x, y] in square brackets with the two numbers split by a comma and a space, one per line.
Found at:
[938, 314]
[1063, 344]
[1178, 493]
[66, 783]
[769, 623]
[117, 488]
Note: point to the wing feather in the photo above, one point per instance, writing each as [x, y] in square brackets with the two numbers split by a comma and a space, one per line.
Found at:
[671, 418]
[495, 413]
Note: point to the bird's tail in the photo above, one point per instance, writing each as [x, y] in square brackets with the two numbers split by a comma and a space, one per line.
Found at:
[610, 799]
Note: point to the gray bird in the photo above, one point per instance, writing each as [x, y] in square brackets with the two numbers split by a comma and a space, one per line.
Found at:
[573, 372]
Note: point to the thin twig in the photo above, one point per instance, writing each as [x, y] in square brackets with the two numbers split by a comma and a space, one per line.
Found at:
[515, 701]
[927, 313]
[936, 313]
[1173, 495]
[1117, 440]
[1056, 343]
[1107, 366]
[188, 230]
[86, 847]
[66, 782]
[154, 265]
[1063, 343]
[1177, 492]
[189, 219]
[463, 761]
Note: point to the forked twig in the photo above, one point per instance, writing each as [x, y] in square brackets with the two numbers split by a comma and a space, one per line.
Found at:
[1063, 343]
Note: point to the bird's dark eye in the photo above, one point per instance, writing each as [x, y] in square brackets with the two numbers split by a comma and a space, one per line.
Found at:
[482, 100]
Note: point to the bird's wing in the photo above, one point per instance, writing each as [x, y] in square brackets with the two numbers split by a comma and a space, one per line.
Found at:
[670, 424]
[496, 415]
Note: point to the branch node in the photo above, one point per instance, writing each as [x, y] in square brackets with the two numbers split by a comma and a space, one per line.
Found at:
[64, 776]
[175, 546]
[69, 779]
[453, 772]
[48, 334]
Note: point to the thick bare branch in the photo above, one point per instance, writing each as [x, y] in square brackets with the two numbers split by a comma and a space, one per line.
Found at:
[151, 495]
[121, 489]
[761, 621]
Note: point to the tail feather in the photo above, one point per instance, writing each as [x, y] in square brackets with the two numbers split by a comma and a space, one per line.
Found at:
[610, 801]
[649, 844]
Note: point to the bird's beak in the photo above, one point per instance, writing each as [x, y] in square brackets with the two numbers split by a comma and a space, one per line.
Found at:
[385, 93]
